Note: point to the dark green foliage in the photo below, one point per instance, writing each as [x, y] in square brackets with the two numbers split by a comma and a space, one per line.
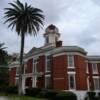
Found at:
[3, 77]
[3, 55]
[51, 94]
[91, 94]
[32, 91]
[24, 18]
[12, 90]
[42, 94]
[66, 96]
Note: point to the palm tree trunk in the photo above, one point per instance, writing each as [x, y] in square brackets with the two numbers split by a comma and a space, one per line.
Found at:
[20, 91]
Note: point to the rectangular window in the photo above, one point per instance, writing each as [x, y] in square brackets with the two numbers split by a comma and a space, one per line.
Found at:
[96, 83]
[70, 61]
[71, 81]
[94, 68]
[35, 65]
[48, 81]
[48, 63]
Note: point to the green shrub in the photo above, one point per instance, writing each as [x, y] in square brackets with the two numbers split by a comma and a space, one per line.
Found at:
[42, 94]
[66, 96]
[51, 94]
[12, 90]
[32, 91]
[91, 94]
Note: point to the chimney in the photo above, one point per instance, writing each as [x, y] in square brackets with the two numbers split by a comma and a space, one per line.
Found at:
[58, 43]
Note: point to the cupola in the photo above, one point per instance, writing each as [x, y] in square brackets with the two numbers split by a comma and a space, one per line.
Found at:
[51, 34]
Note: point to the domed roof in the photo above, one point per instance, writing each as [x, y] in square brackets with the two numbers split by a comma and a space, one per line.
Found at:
[52, 29]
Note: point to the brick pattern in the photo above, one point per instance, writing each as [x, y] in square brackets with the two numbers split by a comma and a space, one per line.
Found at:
[81, 77]
[60, 78]
[41, 68]
[29, 66]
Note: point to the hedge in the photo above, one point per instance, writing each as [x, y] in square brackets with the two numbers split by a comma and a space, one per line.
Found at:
[51, 94]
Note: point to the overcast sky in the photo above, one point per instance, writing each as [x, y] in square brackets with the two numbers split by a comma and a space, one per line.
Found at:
[78, 22]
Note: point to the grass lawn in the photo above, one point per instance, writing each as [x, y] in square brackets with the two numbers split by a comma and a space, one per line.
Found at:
[16, 97]
[23, 98]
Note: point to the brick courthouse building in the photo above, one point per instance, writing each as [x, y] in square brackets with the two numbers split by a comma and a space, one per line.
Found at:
[58, 67]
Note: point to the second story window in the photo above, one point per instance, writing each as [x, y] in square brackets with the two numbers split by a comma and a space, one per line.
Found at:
[35, 65]
[94, 68]
[70, 61]
[48, 63]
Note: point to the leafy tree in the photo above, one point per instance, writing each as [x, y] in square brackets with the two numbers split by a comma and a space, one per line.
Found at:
[3, 55]
[26, 20]
[3, 67]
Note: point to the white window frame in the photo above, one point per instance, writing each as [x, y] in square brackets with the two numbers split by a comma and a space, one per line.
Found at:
[87, 68]
[95, 72]
[95, 86]
[72, 61]
[46, 61]
[35, 65]
[71, 74]
[46, 76]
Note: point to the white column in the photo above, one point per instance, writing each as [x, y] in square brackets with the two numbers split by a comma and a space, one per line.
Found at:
[23, 84]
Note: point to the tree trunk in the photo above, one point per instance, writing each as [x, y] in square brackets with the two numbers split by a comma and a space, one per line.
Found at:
[20, 91]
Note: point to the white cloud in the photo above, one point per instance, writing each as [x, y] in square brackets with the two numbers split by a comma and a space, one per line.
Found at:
[78, 22]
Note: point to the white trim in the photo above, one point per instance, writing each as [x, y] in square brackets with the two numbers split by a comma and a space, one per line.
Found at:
[95, 76]
[69, 53]
[59, 54]
[69, 81]
[72, 59]
[71, 72]
[88, 84]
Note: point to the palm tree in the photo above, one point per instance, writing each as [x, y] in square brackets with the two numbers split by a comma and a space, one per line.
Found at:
[3, 54]
[26, 20]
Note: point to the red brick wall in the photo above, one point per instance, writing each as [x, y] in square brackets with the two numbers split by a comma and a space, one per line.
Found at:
[29, 66]
[12, 76]
[59, 74]
[41, 68]
[81, 77]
